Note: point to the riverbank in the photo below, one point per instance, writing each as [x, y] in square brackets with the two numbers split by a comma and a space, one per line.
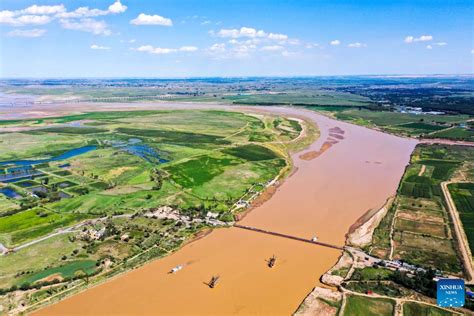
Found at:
[324, 197]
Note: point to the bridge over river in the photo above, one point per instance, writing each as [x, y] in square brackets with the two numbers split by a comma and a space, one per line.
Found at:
[311, 241]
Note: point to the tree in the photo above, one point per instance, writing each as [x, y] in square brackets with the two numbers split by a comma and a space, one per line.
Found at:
[157, 177]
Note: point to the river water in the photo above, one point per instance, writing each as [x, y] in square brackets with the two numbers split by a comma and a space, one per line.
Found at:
[360, 169]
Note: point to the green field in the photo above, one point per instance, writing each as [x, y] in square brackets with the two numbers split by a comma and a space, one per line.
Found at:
[425, 125]
[67, 270]
[463, 196]
[195, 161]
[420, 221]
[251, 152]
[416, 309]
[455, 133]
[315, 98]
[360, 305]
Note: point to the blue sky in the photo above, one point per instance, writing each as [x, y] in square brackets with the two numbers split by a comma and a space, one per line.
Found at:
[174, 38]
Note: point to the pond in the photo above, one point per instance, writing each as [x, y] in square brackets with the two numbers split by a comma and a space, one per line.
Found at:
[10, 193]
[145, 152]
[68, 154]
[133, 146]
[23, 175]
[26, 184]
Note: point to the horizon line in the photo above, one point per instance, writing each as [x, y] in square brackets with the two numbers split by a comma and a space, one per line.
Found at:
[238, 77]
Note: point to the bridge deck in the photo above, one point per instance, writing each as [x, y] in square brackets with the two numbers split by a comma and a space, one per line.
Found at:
[263, 231]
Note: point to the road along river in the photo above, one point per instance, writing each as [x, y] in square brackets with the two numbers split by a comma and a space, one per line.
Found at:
[357, 170]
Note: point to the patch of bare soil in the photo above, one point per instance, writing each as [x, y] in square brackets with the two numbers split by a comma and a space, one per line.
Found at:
[422, 170]
[52, 277]
[313, 305]
[331, 278]
[420, 216]
[360, 234]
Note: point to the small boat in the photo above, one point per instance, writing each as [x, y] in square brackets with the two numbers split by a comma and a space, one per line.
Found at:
[272, 261]
[314, 238]
[213, 281]
[176, 269]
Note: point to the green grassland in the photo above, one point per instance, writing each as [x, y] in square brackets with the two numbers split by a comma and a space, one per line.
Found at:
[422, 229]
[360, 305]
[207, 93]
[17, 266]
[207, 161]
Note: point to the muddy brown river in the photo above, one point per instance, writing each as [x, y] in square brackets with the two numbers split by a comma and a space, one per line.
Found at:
[357, 172]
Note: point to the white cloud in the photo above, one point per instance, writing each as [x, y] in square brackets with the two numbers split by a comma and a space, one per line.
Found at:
[117, 7]
[206, 22]
[335, 42]
[43, 14]
[409, 39]
[84, 12]
[145, 19]
[472, 51]
[27, 33]
[98, 47]
[86, 25]
[311, 45]
[239, 49]
[36, 15]
[286, 53]
[254, 37]
[188, 49]
[272, 48]
[161, 51]
[356, 45]
[242, 32]
[423, 38]
[436, 44]
[12, 18]
[6, 16]
[278, 37]
[33, 19]
[292, 41]
[44, 9]
[217, 48]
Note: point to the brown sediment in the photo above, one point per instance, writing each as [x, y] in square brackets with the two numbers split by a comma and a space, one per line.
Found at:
[337, 136]
[310, 155]
[323, 198]
[336, 130]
